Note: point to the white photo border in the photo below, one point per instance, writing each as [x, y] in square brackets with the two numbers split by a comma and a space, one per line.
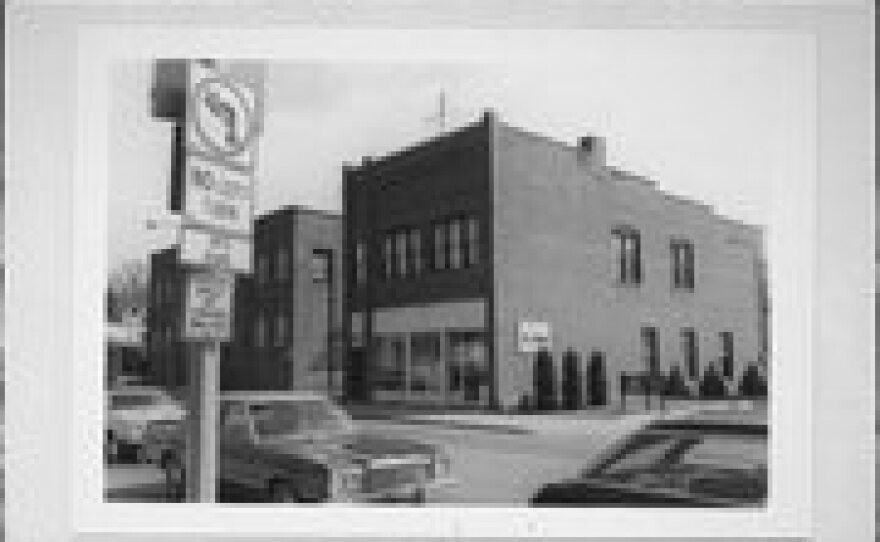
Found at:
[787, 512]
[50, 213]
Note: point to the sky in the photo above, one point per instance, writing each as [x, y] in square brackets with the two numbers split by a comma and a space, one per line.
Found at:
[715, 116]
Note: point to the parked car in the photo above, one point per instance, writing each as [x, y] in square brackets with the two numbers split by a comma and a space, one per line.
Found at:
[700, 459]
[301, 447]
[134, 411]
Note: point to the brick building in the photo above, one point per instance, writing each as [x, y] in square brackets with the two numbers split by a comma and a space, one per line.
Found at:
[458, 246]
[286, 325]
[288, 313]
[166, 353]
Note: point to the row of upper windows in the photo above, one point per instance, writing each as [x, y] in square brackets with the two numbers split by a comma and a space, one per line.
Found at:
[630, 259]
[690, 351]
[280, 330]
[276, 266]
[167, 290]
[454, 243]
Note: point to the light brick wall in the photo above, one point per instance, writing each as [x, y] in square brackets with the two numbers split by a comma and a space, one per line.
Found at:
[315, 231]
[556, 261]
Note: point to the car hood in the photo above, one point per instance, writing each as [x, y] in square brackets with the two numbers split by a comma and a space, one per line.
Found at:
[343, 449]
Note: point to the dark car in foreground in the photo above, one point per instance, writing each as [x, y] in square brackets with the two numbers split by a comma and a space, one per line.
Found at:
[700, 459]
[298, 447]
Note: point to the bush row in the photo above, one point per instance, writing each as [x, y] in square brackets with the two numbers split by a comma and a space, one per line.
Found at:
[577, 389]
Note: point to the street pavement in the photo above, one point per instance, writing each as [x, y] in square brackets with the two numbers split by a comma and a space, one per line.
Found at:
[496, 468]
[492, 465]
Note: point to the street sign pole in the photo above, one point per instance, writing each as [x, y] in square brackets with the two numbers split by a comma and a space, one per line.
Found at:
[204, 364]
[214, 193]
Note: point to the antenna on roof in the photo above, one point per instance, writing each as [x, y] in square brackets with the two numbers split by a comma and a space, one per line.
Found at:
[439, 118]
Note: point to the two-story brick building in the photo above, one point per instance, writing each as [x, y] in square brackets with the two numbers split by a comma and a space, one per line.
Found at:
[286, 324]
[457, 245]
[288, 313]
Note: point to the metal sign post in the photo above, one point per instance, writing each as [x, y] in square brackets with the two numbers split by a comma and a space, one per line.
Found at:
[201, 457]
[216, 202]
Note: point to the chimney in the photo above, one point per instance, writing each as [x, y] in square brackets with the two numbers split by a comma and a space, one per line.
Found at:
[591, 150]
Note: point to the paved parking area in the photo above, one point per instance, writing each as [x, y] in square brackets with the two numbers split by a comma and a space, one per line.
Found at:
[490, 467]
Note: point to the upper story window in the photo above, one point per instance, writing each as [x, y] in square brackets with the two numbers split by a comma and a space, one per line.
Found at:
[402, 252]
[360, 263]
[262, 269]
[260, 331]
[629, 255]
[322, 265]
[682, 255]
[456, 243]
[440, 245]
[691, 352]
[281, 329]
[401, 255]
[415, 250]
[472, 226]
[282, 257]
[388, 256]
[726, 353]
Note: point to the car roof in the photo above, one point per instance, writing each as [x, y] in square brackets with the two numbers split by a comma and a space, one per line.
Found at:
[751, 421]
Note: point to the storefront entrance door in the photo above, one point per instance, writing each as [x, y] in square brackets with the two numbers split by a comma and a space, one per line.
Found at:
[467, 369]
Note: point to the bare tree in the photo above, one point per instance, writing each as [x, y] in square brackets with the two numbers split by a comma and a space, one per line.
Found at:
[128, 289]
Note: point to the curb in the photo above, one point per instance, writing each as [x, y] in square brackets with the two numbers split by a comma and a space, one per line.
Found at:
[467, 426]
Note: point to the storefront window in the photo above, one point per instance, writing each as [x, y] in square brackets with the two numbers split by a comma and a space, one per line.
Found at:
[390, 364]
[427, 367]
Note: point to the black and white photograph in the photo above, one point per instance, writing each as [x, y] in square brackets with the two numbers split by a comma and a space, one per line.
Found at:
[518, 281]
[446, 283]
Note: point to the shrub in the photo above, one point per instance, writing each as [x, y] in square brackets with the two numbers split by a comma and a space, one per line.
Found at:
[544, 381]
[752, 383]
[712, 385]
[675, 385]
[571, 381]
[525, 404]
[596, 383]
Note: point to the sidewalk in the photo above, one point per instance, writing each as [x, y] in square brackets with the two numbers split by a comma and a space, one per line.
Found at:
[551, 423]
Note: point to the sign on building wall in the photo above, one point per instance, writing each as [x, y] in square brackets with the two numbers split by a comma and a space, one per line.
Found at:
[533, 336]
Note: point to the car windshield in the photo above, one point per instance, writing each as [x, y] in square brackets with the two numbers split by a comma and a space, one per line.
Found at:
[728, 463]
[649, 452]
[726, 452]
[291, 418]
[122, 402]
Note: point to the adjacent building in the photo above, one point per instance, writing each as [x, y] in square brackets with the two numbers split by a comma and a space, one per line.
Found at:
[466, 253]
[286, 325]
[288, 313]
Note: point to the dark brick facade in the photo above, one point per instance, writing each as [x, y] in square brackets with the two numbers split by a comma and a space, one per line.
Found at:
[300, 333]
